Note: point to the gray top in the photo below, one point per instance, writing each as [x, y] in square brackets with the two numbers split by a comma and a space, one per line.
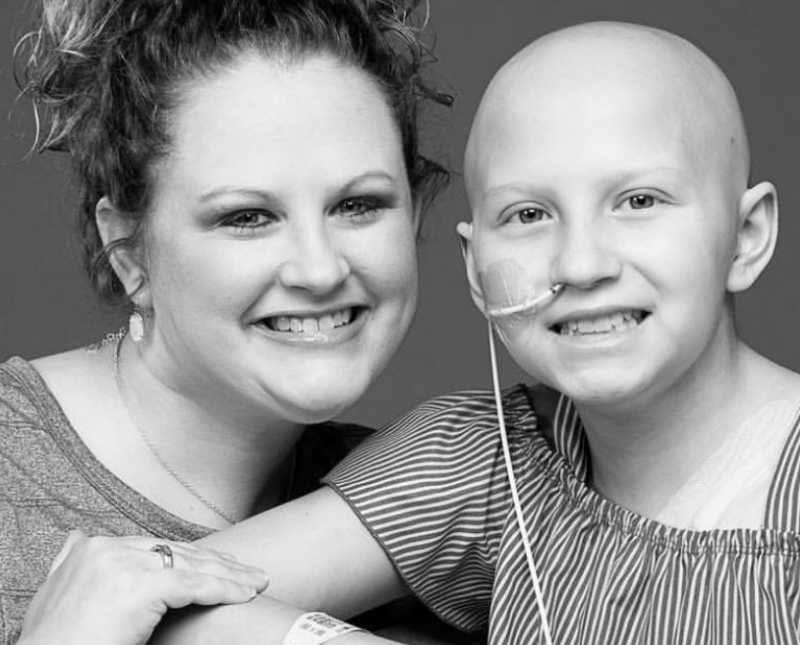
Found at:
[50, 483]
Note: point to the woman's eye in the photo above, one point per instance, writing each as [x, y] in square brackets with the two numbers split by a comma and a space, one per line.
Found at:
[641, 200]
[357, 207]
[247, 220]
[530, 215]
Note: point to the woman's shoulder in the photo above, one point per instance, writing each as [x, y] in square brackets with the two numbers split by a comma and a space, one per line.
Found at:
[31, 389]
[22, 391]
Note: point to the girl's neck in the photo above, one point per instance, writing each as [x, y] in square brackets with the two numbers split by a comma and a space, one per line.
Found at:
[644, 449]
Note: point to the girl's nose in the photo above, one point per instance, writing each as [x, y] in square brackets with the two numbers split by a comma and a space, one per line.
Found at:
[584, 258]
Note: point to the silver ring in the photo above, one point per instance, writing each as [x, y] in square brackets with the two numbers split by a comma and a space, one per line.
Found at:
[166, 554]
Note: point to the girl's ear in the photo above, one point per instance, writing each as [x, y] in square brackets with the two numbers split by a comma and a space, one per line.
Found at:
[464, 231]
[114, 226]
[756, 237]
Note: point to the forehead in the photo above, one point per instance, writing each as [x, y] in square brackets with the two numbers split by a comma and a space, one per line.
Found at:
[582, 136]
[265, 121]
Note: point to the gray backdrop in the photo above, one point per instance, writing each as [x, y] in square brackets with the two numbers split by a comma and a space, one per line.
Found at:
[46, 305]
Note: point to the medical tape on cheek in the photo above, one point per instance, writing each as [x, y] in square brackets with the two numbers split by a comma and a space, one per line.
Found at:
[503, 286]
[510, 294]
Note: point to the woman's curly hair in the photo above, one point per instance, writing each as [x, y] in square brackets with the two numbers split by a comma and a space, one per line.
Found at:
[104, 75]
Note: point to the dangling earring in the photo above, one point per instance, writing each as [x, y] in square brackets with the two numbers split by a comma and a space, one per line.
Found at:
[136, 327]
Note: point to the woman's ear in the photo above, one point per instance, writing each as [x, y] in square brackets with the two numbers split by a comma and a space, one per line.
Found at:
[114, 226]
[464, 231]
[756, 236]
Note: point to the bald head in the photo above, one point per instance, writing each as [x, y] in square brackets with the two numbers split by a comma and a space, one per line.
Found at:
[594, 74]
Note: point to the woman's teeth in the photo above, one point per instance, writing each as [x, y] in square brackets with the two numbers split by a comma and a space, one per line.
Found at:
[309, 324]
[621, 321]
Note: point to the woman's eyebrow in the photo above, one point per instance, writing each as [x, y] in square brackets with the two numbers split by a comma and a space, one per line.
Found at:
[245, 191]
[368, 176]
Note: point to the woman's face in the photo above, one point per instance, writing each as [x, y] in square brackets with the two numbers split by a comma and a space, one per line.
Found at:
[280, 246]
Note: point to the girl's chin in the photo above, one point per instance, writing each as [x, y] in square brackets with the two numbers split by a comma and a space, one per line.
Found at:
[607, 396]
[601, 387]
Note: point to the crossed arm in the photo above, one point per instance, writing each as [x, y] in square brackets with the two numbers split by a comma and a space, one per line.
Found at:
[318, 556]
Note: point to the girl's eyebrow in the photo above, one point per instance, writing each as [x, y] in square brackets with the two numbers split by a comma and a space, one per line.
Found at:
[622, 176]
[516, 187]
[636, 173]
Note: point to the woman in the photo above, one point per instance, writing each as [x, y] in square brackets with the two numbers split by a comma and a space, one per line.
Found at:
[251, 190]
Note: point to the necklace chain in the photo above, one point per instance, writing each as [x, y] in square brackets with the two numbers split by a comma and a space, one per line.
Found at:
[119, 337]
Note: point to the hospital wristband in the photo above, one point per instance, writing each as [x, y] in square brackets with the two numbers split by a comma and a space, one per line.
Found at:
[315, 628]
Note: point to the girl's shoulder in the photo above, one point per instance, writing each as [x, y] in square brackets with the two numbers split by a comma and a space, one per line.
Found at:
[461, 425]
[475, 406]
[526, 409]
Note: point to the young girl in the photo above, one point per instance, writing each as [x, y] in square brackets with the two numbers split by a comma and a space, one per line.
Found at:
[251, 190]
[656, 468]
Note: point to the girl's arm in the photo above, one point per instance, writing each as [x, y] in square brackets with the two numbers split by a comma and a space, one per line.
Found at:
[318, 556]
[264, 621]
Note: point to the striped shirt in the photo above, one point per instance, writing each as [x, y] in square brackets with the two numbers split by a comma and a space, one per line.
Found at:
[432, 490]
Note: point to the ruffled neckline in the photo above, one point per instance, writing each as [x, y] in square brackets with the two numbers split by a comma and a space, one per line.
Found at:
[536, 456]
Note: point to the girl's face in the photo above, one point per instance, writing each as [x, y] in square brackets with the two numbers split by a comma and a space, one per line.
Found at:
[620, 206]
[280, 245]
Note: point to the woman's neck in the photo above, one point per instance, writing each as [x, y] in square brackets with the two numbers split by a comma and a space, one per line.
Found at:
[151, 436]
[227, 453]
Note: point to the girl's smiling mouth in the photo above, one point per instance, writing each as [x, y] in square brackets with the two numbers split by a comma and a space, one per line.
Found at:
[602, 323]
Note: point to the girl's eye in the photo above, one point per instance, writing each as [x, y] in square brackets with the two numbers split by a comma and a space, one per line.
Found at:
[248, 220]
[530, 215]
[641, 200]
[357, 207]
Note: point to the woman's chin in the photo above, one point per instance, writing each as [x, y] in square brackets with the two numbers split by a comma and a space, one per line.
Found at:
[320, 406]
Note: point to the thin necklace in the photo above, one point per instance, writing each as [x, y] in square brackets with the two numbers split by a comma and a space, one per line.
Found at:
[146, 439]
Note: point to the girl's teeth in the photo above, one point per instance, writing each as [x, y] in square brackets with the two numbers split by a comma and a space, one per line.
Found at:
[326, 323]
[310, 326]
[601, 324]
[283, 323]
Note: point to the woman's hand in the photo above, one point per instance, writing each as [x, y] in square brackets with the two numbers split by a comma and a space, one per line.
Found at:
[115, 590]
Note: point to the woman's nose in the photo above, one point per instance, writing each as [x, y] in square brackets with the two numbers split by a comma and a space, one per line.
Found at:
[314, 263]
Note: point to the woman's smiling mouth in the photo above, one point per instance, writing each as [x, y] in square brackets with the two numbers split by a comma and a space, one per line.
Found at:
[317, 327]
